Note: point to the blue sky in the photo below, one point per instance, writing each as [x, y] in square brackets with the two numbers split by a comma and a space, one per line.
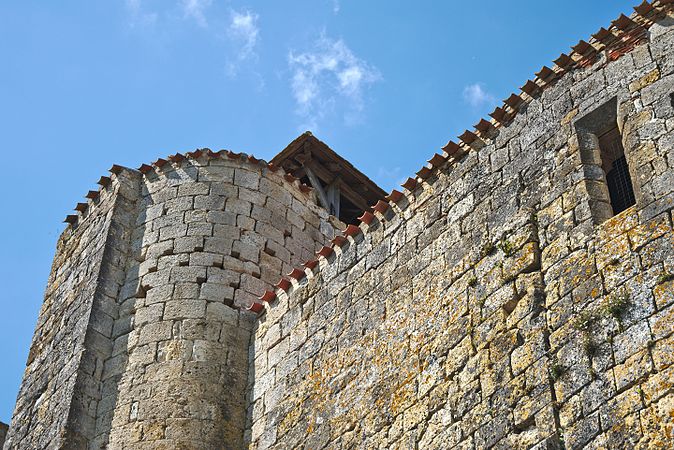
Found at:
[85, 84]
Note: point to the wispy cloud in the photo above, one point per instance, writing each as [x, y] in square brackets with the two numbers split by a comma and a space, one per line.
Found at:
[329, 76]
[476, 95]
[389, 178]
[244, 33]
[138, 16]
[195, 9]
[335, 6]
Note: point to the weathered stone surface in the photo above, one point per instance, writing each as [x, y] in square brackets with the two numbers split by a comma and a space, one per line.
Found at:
[498, 305]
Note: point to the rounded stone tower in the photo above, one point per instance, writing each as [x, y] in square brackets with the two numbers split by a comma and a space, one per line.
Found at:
[159, 268]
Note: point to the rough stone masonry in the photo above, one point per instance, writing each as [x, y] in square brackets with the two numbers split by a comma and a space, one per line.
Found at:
[499, 301]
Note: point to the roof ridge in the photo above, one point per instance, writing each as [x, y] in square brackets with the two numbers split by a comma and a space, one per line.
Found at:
[621, 37]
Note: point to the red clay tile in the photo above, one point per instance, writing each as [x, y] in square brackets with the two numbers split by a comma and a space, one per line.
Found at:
[410, 184]
[623, 22]
[424, 173]
[268, 296]
[437, 160]
[283, 284]
[499, 115]
[531, 88]
[352, 230]
[92, 195]
[513, 101]
[564, 61]
[339, 240]
[325, 251]
[256, 307]
[272, 167]
[297, 274]
[71, 219]
[304, 188]
[381, 207]
[253, 160]
[145, 169]
[366, 218]
[468, 137]
[178, 157]
[311, 265]
[161, 162]
[644, 8]
[582, 48]
[483, 126]
[104, 181]
[115, 169]
[81, 207]
[289, 178]
[394, 196]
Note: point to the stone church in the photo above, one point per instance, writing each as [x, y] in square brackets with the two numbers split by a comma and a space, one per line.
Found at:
[516, 293]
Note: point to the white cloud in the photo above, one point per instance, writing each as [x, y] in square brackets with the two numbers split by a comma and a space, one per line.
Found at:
[194, 9]
[389, 178]
[476, 96]
[335, 6]
[329, 76]
[138, 17]
[244, 34]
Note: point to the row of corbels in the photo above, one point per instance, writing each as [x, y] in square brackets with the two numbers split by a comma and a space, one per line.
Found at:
[260, 163]
[624, 33]
[178, 158]
[92, 196]
[621, 31]
[376, 213]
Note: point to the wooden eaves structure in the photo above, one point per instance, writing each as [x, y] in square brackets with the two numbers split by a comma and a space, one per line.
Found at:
[342, 190]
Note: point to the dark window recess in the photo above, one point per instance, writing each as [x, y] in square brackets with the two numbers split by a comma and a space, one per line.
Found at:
[617, 172]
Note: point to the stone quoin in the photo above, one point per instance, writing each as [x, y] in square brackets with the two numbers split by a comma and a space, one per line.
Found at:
[517, 292]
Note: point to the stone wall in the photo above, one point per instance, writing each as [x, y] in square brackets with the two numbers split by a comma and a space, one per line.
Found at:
[144, 334]
[57, 400]
[3, 433]
[492, 306]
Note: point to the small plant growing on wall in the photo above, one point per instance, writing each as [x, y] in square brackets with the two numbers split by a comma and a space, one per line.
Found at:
[585, 320]
[487, 249]
[556, 370]
[507, 247]
[617, 306]
[665, 277]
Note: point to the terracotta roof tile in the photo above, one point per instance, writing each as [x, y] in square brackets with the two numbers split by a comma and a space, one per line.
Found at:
[352, 230]
[115, 169]
[71, 219]
[145, 168]
[339, 241]
[394, 196]
[256, 307]
[297, 274]
[424, 173]
[283, 284]
[81, 207]
[367, 217]
[410, 184]
[325, 251]
[104, 181]
[92, 195]
[381, 207]
[268, 296]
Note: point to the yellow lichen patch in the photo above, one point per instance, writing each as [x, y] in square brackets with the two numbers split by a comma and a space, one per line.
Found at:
[664, 294]
[645, 233]
[650, 78]
[569, 116]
